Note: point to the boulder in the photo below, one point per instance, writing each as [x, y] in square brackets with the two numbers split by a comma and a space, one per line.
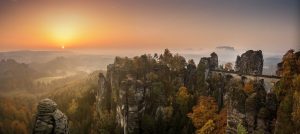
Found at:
[49, 119]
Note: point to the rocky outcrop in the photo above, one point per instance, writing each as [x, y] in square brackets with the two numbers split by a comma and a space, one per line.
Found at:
[121, 93]
[103, 96]
[211, 62]
[131, 108]
[142, 88]
[49, 119]
[250, 62]
[291, 59]
[251, 111]
[255, 111]
[191, 76]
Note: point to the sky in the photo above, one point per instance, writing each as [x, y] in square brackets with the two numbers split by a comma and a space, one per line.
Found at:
[269, 25]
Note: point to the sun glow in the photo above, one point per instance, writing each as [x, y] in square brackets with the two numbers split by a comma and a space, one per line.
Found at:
[66, 29]
[64, 33]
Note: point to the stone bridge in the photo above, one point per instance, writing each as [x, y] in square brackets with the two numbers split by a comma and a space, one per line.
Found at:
[269, 80]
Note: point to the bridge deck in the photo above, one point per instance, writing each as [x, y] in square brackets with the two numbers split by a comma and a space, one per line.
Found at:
[263, 76]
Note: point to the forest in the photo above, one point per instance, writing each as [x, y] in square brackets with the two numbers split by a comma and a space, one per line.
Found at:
[164, 93]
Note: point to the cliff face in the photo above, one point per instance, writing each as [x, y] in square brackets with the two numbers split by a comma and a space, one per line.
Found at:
[250, 62]
[122, 94]
[252, 110]
[103, 96]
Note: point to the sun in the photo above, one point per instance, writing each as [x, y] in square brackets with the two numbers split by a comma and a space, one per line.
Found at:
[62, 47]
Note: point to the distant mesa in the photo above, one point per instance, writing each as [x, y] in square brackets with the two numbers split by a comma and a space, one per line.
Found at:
[225, 48]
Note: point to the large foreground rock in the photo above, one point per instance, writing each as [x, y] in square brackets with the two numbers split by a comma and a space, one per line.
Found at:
[50, 120]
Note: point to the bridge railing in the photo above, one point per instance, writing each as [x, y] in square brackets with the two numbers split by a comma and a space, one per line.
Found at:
[234, 72]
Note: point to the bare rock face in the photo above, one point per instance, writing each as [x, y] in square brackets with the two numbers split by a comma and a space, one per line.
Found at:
[50, 120]
[103, 93]
[210, 62]
[131, 94]
[250, 62]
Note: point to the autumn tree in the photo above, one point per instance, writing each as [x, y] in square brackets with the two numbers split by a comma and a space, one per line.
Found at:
[204, 114]
[183, 99]
[248, 87]
[228, 66]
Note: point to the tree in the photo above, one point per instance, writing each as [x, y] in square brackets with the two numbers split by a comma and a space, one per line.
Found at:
[204, 111]
[208, 128]
[248, 87]
[201, 85]
[228, 66]
[296, 103]
[183, 98]
[241, 129]
[166, 57]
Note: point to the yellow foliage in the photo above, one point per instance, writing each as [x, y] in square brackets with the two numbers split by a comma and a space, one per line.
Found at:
[183, 93]
[73, 106]
[208, 128]
[183, 98]
[168, 112]
[205, 110]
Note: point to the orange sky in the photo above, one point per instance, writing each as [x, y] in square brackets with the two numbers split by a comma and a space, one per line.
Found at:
[33, 24]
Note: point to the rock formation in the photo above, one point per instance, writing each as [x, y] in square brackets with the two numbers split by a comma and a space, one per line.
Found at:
[128, 94]
[131, 96]
[190, 77]
[210, 62]
[103, 93]
[250, 62]
[49, 119]
[290, 58]
[142, 93]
